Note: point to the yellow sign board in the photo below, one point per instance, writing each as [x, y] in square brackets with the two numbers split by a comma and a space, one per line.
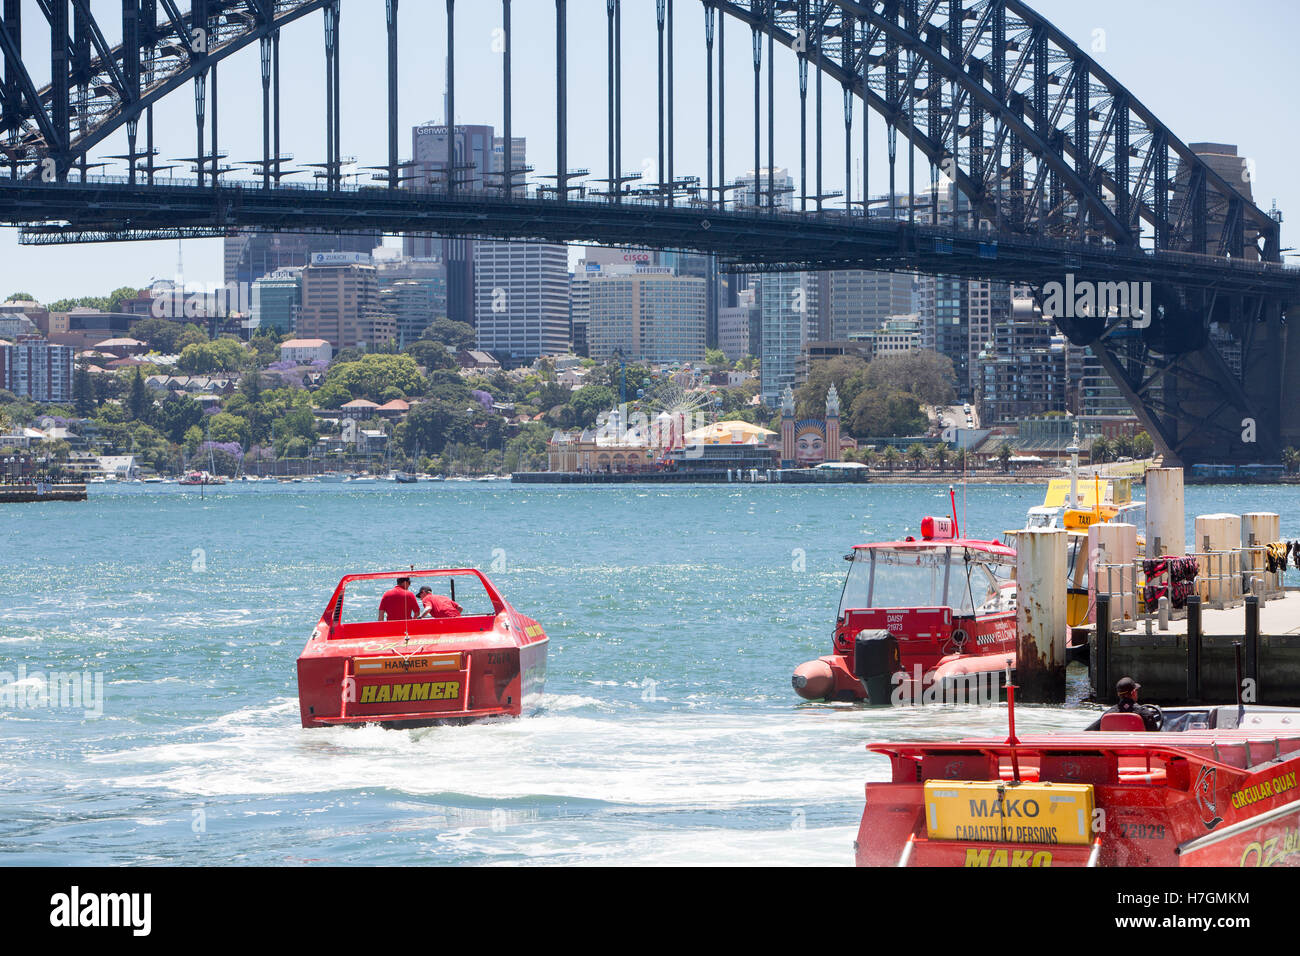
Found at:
[1114, 491]
[989, 811]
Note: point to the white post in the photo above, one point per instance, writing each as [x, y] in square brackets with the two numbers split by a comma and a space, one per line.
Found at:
[1116, 544]
[1259, 528]
[1221, 575]
[1041, 569]
[1166, 518]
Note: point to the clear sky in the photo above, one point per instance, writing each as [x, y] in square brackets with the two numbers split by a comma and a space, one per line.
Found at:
[1211, 71]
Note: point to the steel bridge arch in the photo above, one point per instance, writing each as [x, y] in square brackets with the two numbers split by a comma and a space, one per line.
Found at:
[964, 45]
[171, 53]
[876, 51]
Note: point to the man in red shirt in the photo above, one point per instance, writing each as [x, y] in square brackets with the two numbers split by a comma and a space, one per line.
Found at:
[399, 604]
[435, 605]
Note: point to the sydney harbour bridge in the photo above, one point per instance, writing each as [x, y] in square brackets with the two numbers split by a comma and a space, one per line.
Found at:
[1053, 168]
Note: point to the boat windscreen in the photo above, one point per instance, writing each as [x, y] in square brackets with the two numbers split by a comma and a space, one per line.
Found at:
[880, 577]
[362, 598]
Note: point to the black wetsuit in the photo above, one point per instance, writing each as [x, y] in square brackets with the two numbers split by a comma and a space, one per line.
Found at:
[1151, 716]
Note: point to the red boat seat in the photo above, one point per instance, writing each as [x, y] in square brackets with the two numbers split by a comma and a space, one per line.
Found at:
[957, 766]
[1080, 768]
[1119, 723]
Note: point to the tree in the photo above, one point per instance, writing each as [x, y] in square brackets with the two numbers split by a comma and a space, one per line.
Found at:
[891, 457]
[225, 428]
[1103, 450]
[222, 355]
[332, 395]
[433, 424]
[1291, 459]
[177, 416]
[916, 454]
[118, 296]
[266, 345]
[940, 455]
[140, 403]
[430, 355]
[847, 373]
[455, 335]
[1004, 456]
[927, 375]
[715, 357]
[589, 401]
[372, 374]
[20, 297]
[167, 336]
[885, 413]
[83, 393]
[251, 387]
[1143, 446]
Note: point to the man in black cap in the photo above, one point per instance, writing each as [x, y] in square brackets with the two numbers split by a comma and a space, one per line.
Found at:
[1127, 692]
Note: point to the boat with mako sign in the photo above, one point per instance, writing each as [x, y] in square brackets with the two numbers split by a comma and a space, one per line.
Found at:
[918, 617]
[467, 656]
[1216, 786]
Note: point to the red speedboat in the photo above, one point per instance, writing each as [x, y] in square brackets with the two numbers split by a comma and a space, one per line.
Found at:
[489, 661]
[1216, 787]
[918, 618]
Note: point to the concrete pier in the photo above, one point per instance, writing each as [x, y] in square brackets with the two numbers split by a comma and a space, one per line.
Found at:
[1041, 565]
[1194, 661]
[27, 494]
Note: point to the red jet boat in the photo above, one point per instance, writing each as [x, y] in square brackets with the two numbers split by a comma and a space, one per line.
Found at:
[488, 662]
[918, 618]
[1216, 787]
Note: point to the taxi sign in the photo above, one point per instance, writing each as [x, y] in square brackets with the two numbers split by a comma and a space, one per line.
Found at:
[941, 529]
[990, 811]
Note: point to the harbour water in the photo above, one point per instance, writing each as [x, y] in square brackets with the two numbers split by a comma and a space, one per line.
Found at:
[669, 733]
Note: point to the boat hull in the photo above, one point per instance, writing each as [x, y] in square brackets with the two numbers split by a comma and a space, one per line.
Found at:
[421, 672]
[1219, 798]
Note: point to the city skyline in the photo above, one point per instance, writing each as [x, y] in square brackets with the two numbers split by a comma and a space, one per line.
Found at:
[1162, 77]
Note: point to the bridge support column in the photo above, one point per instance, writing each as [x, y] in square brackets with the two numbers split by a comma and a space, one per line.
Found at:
[391, 10]
[450, 170]
[562, 100]
[200, 108]
[265, 52]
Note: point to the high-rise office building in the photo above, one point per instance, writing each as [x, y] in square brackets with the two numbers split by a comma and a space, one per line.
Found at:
[340, 303]
[738, 326]
[861, 301]
[1024, 370]
[277, 297]
[249, 255]
[580, 308]
[784, 302]
[1098, 394]
[474, 169]
[37, 369]
[522, 299]
[647, 315]
[413, 292]
[747, 195]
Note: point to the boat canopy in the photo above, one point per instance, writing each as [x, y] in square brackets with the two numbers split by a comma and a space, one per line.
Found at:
[972, 578]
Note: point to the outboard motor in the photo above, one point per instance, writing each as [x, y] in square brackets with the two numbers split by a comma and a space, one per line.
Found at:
[876, 659]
